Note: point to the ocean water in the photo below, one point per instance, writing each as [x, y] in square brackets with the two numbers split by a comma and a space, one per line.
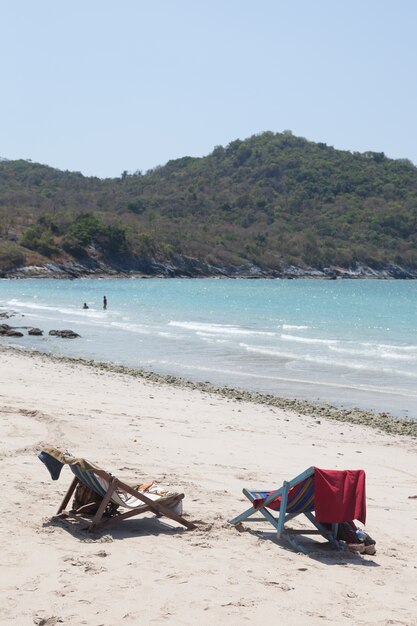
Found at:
[347, 342]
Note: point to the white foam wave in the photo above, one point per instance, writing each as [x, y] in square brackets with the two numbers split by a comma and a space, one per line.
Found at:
[374, 352]
[91, 312]
[219, 329]
[332, 363]
[285, 379]
[390, 346]
[310, 340]
[294, 327]
[168, 335]
[132, 328]
[270, 352]
[213, 340]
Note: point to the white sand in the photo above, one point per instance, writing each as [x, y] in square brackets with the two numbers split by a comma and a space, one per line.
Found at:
[146, 571]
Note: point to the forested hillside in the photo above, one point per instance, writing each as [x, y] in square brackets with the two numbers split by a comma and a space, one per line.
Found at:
[272, 200]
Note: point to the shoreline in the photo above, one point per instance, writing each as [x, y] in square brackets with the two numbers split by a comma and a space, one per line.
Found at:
[382, 421]
[188, 267]
[302, 275]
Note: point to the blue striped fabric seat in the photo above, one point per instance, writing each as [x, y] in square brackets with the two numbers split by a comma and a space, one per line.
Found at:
[90, 480]
[300, 498]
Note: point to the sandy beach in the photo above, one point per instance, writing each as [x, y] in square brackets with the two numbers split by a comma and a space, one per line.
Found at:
[150, 571]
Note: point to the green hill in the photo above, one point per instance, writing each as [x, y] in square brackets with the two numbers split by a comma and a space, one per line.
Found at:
[272, 200]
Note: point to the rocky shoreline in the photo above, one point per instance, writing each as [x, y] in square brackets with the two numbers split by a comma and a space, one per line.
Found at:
[380, 421]
[16, 331]
[187, 267]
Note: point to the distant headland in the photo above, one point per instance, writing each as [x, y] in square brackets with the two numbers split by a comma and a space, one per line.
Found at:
[273, 206]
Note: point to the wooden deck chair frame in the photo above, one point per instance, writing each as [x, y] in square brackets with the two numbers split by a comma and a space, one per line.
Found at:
[282, 517]
[160, 507]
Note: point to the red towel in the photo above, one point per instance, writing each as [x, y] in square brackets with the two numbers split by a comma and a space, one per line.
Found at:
[339, 495]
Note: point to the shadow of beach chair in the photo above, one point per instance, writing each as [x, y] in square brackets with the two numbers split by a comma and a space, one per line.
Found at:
[325, 497]
[109, 490]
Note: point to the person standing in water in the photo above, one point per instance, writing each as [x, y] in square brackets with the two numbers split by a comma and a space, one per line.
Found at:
[104, 302]
[85, 305]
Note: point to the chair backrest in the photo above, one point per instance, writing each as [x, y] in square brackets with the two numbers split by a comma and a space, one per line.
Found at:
[91, 480]
[300, 497]
[100, 486]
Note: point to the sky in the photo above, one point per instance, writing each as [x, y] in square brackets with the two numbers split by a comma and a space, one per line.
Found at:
[100, 87]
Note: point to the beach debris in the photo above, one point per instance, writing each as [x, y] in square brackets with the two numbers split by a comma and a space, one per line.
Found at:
[65, 334]
[280, 585]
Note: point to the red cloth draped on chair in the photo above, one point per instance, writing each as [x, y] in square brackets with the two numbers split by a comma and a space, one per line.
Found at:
[339, 495]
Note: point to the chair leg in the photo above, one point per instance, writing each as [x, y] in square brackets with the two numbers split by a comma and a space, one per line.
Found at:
[295, 544]
[283, 508]
[327, 534]
[268, 516]
[96, 521]
[162, 510]
[68, 495]
[240, 518]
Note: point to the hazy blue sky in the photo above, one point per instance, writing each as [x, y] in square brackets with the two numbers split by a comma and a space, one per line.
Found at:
[101, 86]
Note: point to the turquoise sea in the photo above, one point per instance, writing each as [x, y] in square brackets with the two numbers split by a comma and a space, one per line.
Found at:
[347, 342]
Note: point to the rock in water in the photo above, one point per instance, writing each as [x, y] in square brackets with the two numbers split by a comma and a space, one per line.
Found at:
[35, 331]
[13, 333]
[65, 334]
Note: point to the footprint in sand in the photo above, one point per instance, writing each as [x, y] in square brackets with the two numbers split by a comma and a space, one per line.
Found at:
[87, 566]
[102, 553]
[46, 621]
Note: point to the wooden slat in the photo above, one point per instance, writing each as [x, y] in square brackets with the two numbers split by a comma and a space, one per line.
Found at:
[104, 503]
[68, 495]
[155, 506]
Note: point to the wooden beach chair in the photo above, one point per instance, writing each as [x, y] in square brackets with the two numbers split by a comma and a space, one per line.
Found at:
[325, 497]
[110, 490]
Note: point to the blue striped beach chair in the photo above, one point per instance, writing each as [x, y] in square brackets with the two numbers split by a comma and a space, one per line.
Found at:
[295, 497]
[128, 501]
